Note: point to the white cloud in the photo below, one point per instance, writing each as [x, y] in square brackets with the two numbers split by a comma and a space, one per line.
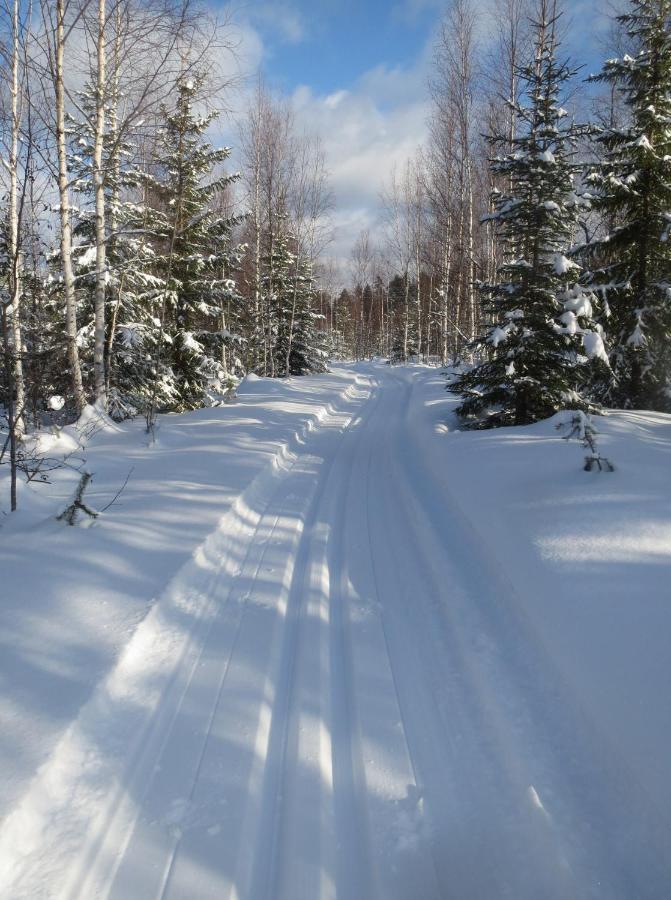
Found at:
[366, 130]
[378, 121]
[410, 10]
[333, 101]
[285, 21]
[246, 52]
[367, 127]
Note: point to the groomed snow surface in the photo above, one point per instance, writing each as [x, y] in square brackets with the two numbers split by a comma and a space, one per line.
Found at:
[324, 645]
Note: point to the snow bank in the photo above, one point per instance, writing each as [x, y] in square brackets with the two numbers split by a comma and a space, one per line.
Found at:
[73, 598]
[587, 557]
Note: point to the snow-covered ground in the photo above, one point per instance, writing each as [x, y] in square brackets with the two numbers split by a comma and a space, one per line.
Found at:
[326, 645]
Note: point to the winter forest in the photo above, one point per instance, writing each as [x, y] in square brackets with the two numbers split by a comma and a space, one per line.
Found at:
[140, 273]
[335, 441]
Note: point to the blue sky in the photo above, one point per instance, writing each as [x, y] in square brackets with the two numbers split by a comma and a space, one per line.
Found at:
[328, 44]
[357, 70]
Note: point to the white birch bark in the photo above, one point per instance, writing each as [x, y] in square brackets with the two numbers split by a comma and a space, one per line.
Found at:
[14, 237]
[64, 212]
[100, 383]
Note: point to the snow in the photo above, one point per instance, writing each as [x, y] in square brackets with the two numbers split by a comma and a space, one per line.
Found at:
[594, 345]
[190, 343]
[562, 264]
[637, 337]
[570, 323]
[326, 645]
[515, 314]
[498, 334]
[130, 336]
[87, 258]
[579, 303]
[56, 402]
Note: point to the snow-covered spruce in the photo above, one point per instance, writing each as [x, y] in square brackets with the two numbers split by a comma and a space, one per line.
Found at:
[133, 288]
[298, 347]
[630, 264]
[195, 257]
[535, 318]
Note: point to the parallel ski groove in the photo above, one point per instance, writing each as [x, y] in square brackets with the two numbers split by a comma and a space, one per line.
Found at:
[215, 707]
[261, 817]
[313, 553]
[80, 884]
[357, 707]
[239, 611]
[354, 869]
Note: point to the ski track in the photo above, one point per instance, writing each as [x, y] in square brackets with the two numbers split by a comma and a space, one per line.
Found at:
[358, 711]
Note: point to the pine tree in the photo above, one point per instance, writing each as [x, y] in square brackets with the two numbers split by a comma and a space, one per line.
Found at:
[630, 266]
[195, 258]
[535, 316]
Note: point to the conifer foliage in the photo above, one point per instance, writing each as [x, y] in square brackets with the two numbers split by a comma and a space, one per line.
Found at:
[535, 316]
[298, 344]
[136, 276]
[132, 282]
[630, 264]
[308, 352]
[195, 257]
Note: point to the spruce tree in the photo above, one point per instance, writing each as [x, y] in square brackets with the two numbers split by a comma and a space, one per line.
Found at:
[630, 265]
[342, 326]
[298, 346]
[309, 352]
[195, 257]
[404, 344]
[276, 291]
[133, 288]
[535, 316]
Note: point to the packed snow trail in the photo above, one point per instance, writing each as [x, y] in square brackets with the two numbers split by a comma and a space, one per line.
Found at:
[356, 709]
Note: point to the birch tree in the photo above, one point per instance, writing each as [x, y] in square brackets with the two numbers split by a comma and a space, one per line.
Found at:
[18, 33]
[100, 380]
[56, 31]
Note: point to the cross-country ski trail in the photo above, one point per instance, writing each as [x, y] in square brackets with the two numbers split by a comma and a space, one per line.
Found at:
[344, 701]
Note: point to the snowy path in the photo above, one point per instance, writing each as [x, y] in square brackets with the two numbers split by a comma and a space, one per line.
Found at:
[347, 704]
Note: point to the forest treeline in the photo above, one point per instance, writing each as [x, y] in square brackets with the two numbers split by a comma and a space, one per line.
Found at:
[528, 239]
[525, 239]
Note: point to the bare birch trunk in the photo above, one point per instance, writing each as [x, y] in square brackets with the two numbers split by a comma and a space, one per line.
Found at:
[100, 383]
[11, 421]
[447, 272]
[406, 321]
[292, 321]
[115, 171]
[470, 250]
[258, 313]
[418, 273]
[459, 281]
[64, 209]
[14, 237]
[382, 324]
